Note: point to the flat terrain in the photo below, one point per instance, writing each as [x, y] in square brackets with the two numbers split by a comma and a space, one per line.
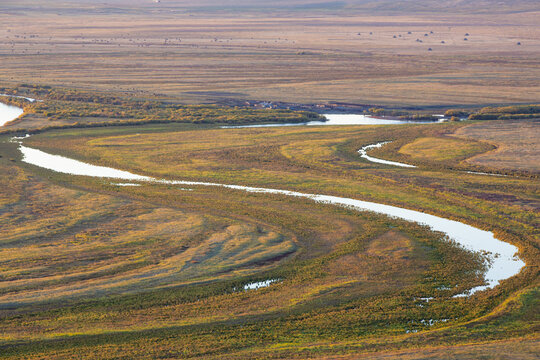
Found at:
[523, 349]
[517, 144]
[440, 149]
[351, 52]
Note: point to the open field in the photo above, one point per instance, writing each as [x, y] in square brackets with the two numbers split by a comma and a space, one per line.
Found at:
[351, 52]
[523, 349]
[517, 144]
[440, 149]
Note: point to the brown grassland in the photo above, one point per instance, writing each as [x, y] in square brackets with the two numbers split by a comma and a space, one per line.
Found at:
[217, 51]
[517, 144]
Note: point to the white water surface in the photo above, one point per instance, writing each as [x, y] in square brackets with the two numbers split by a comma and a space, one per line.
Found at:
[19, 97]
[484, 173]
[360, 119]
[503, 260]
[18, 139]
[338, 119]
[363, 153]
[66, 165]
[9, 113]
[259, 284]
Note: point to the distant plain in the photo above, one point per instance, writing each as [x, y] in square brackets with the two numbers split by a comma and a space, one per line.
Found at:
[214, 51]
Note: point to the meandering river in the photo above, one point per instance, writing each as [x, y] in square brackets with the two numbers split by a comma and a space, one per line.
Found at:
[503, 260]
[363, 153]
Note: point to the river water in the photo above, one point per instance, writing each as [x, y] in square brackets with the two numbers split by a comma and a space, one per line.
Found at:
[363, 153]
[9, 113]
[338, 119]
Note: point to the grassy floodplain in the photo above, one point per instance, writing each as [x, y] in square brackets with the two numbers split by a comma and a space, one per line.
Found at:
[150, 271]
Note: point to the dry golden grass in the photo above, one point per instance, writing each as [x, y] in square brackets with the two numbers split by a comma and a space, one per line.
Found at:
[382, 262]
[522, 349]
[516, 141]
[59, 243]
[437, 149]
